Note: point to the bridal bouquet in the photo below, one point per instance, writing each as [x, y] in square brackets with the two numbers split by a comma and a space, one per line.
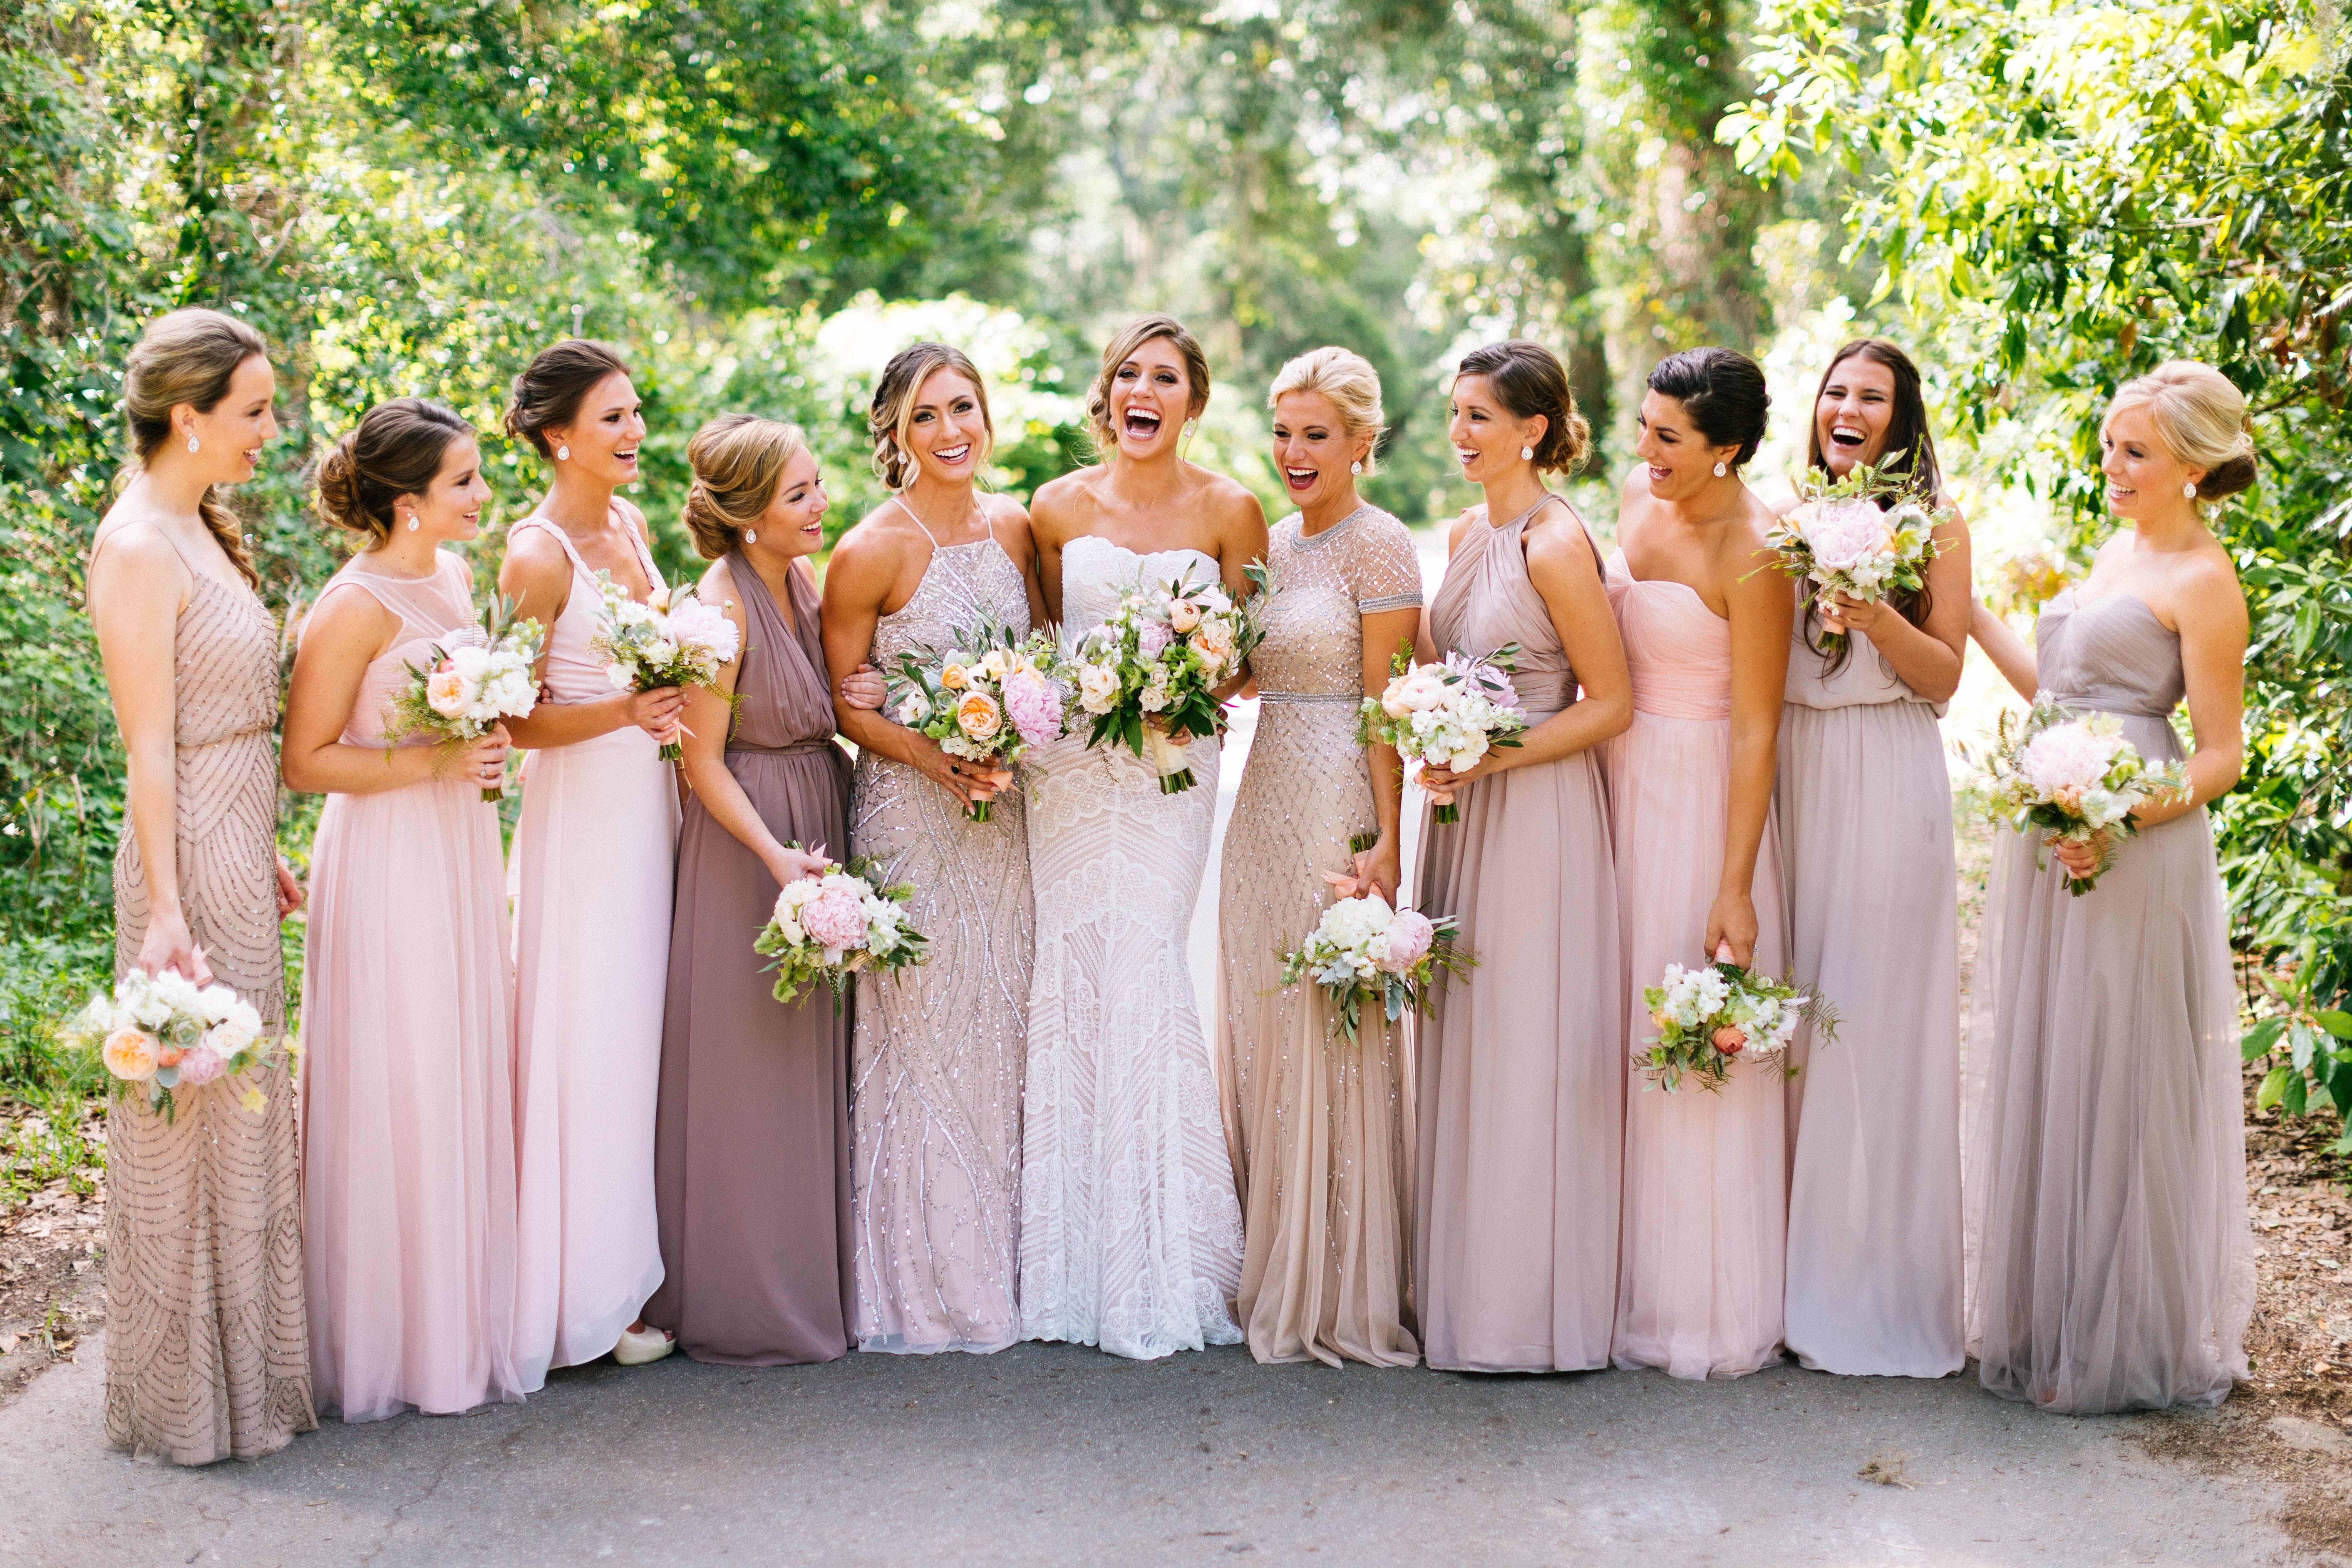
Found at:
[831, 925]
[1362, 951]
[1160, 656]
[1712, 1016]
[1842, 540]
[671, 639]
[162, 1032]
[1451, 714]
[989, 698]
[2073, 778]
[469, 687]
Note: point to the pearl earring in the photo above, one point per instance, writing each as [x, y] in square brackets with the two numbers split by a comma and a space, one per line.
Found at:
[1356, 468]
[413, 524]
[750, 536]
[564, 454]
[193, 442]
[1526, 453]
[1720, 470]
[2187, 493]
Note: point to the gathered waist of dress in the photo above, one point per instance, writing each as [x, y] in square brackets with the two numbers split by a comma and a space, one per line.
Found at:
[2151, 732]
[252, 732]
[1698, 705]
[1351, 701]
[790, 748]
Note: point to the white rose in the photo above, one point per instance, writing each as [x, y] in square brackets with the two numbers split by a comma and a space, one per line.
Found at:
[1098, 688]
[620, 676]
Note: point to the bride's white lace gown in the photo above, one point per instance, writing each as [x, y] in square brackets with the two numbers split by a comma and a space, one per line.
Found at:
[1131, 1234]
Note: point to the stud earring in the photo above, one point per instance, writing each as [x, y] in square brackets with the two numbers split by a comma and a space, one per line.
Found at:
[1720, 470]
[413, 524]
[750, 536]
[192, 443]
[1356, 468]
[2187, 493]
[1526, 453]
[564, 454]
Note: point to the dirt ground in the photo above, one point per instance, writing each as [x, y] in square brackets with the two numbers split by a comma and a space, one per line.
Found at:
[52, 1263]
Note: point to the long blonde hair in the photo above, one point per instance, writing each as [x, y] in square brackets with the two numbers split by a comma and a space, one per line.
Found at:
[189, 356]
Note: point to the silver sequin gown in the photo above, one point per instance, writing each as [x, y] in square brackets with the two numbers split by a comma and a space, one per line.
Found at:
[936, 1054]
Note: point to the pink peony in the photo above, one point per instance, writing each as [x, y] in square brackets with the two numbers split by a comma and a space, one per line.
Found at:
[1151, 638]
[2066, 757]
[1409, 936]
[697, 625]
[1035, 708]
[835, 919]
[201, 1066]
[1845, 534]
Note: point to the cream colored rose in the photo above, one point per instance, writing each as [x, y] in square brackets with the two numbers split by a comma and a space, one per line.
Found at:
[444, 692]
[997, 664]
[1214, 641]
[132, 1053]
[1183, 614]
[1098, 688]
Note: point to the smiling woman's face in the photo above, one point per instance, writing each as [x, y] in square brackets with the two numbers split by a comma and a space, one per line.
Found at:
[946, 430]
[605, 435]
[794, 524]
[2144, 479]
[450, 510]
[1151, 398]
[1851, 415]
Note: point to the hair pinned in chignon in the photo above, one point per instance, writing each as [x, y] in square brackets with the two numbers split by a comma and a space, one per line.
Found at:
[547, 394]
[738, 460]
[189, 357]
[2200, 416]
[1528, 380]
[1347, 380]
[892, 414]
[1723, 392]
[1122, 348]
[394, 450]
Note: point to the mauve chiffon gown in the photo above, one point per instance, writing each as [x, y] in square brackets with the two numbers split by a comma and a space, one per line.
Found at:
[1865, 810]
[409, 1163]
[751, 1140]
[2114, 1269]
[1705, 1219]
[595, 853]
[1522, 1065]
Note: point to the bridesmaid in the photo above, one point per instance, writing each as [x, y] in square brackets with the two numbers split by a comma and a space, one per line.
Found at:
[2114, 1266]
[207, 1347]
[1864, 805]
[595, 853]
[408, 1190]
[1698, 875]
[936, 1055]
[1522, 1067]
[752, 1143]
[1321, 1130]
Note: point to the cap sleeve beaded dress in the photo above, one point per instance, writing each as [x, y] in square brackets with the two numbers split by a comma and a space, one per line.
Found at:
[752, 1137]
[1864, 802]
[1522, 1066]
[407, 1079]
[2113, 1267]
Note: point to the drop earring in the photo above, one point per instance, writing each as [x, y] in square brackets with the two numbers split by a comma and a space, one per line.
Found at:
[564, 454]
[750, 536]
[1356, 468]
[413, 524]
[2187, 493]
[1720, 470]
[193, 442]
[1526, 453]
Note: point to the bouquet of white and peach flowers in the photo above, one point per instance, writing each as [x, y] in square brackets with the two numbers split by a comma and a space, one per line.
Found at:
[2074, 777]
[1717, 1015]
[1450, 713]
[1362, 951]
[671, 639]
[988, 698]
[1155, 664]
[1842, 537]
[157, 1033]
[483, 677]
[831, 924]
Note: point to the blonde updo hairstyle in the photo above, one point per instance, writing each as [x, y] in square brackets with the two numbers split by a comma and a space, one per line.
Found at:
[2200, 417]
[1349, 381]
[739, 459]
[189, 357]
[1120, 349]
[394, 450]
[892, 414]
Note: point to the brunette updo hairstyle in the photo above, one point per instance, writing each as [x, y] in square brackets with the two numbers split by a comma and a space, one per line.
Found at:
[1724, 393]
[2201, 416]
[547, 394]
[1910, 448]
[738, 460]
[1349, 380]
[188, 357]
[394, 450]
[1120, 349]
[1528, 380]
[893, 411]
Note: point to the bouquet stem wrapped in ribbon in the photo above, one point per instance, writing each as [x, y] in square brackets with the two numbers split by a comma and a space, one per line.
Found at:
[2074, 777]
[1450, 714]
[1154, 667]
[482, 677]
[989, 698]
[1361, 951]
[831, 925]
[1867, 536]
[671, 639]
[1718, 1015]
[163, 1032]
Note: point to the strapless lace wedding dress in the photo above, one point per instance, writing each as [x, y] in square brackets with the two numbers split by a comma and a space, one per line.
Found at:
[1131, 1234]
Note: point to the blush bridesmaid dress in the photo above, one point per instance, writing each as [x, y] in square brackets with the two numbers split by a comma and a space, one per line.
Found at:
[408, 1187]
[1706, 1221]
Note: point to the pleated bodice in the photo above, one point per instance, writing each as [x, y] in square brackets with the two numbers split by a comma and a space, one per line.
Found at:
[2113, 656]
[1486, 600]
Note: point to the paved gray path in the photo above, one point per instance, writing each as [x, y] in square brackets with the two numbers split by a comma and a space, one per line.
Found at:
[1057, 1455]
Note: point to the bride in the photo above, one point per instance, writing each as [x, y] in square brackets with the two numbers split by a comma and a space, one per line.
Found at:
[1130, 1235]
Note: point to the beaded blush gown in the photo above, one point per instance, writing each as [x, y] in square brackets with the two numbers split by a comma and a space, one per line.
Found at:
[2113, 1265]
[408, 1187]
[936, 1052]
[208, 1353]
[1522, 1065]
[1321, 1129]
[594, 852]
[1130, 1233]
[1705, 1220]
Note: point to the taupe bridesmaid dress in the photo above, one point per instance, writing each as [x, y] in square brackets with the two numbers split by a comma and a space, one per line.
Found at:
[1522, 1066]
[1321, 1130]
[207, 1346]
[751, 1134]
[2107, 1173]
[936, 1055]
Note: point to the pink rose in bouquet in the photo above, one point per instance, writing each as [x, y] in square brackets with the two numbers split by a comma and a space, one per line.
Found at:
[201, 1066]
[445, 690]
